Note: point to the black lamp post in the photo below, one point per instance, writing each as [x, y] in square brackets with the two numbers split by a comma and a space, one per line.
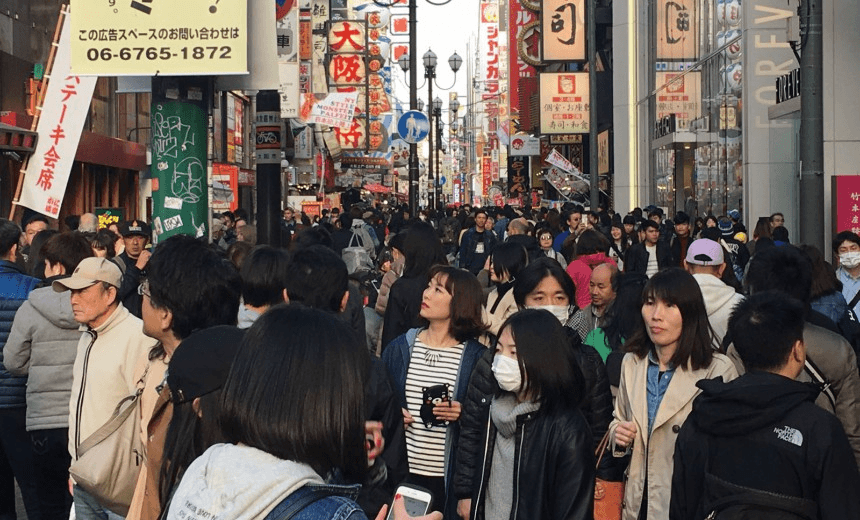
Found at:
[430, 62]
[436, 114]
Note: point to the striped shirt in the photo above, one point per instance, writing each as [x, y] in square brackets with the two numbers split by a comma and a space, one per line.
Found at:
[425, 446]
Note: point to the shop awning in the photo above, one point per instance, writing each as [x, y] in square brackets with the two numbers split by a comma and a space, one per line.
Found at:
[15, 139]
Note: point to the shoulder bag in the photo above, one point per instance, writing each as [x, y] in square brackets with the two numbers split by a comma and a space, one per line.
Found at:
[608, 496]
[109, 460]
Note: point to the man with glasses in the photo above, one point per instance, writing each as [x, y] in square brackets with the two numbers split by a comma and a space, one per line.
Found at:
[188, 287]
[111, 347]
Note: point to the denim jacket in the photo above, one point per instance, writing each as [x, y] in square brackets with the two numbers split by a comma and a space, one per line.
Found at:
[339, 505]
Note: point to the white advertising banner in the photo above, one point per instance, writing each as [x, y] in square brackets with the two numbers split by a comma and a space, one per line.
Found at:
[337, 110]
[288, 76]
[66, 106]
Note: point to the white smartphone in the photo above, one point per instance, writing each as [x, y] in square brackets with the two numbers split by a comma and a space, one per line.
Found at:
[416, 499]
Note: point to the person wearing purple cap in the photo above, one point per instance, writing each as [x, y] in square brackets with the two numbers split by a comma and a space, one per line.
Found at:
[706, 263]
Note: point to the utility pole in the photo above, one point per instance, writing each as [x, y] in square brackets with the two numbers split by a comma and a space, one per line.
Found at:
[811, 126]
[413, 105]
[591, 42]
[270, 126]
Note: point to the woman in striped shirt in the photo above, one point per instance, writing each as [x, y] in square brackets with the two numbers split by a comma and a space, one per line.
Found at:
[431, 367]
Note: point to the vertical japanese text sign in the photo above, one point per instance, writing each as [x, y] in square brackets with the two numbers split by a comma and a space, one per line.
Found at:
[846, 203]
[563, 30]
[288, 57]
[64, 111]
[518, 176]
[168, 38]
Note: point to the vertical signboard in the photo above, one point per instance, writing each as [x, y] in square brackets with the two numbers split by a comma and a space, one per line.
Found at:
[179, 193]
[520, 18]
[518, 176]
[603, 152]
[564, 103]
[846, 203]
[486, 174]
[677, 30]
[319, 17]
[563, 30]
[289, 31]
[64, 111]
[489, 26]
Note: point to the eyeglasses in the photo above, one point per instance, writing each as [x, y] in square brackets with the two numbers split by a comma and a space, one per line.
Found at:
[143, 289]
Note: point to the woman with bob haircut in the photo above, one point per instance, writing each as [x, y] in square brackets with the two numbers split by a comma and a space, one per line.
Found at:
[505, 263]
[292, 419]
[542, 285]
[433, 364]
[670, 352]
[538, 460]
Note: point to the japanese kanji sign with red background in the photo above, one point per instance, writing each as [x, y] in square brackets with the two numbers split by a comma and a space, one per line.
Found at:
[520, 69]
[846, 203]
[64, 111]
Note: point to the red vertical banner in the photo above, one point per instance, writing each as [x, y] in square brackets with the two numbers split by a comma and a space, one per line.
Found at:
[486, 174]
[519, 18]
[846, 203]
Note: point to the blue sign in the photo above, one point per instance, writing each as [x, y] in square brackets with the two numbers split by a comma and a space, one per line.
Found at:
[442, 180]
[413, 126]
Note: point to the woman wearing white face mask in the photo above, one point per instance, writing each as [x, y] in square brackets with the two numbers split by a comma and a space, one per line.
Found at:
[538, 460]
[542, 284]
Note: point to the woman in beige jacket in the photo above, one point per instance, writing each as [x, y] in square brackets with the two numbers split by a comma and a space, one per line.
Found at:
[670, 353]
[504, 264]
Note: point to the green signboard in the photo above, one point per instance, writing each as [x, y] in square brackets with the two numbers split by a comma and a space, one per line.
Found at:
[108, 216]
[179, 183]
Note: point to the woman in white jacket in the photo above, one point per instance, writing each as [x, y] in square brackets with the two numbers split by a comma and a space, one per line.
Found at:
[667, 356]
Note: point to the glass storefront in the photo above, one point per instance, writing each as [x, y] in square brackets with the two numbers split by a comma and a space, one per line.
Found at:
[698, 165]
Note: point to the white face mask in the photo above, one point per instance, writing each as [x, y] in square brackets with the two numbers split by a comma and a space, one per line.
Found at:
[507, 372]
[561, 312]
[850, 259]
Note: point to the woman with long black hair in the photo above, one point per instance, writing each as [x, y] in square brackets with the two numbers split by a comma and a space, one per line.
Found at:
[422, 249]
[670, 352]
[538, 460]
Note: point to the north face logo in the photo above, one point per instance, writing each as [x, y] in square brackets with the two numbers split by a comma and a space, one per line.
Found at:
[789, 434]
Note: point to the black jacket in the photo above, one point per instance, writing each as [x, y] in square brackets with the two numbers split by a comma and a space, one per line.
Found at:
[553, 467]
[131, 278]
[404, 305]
[637, 257]
[596, 408]
[763, 432]
[383, 405]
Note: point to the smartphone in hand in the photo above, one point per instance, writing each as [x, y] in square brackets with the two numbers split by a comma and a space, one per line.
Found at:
[416, 499]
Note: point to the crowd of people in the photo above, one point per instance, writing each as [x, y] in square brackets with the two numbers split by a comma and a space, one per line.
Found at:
[509, 361]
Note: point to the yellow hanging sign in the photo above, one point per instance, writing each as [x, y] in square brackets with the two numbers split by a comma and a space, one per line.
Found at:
[149, 37]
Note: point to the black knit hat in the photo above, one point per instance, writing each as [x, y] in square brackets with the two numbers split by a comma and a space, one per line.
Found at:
[201, 363]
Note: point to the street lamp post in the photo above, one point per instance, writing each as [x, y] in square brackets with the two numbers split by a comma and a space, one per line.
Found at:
[429, 59]
[437, 116]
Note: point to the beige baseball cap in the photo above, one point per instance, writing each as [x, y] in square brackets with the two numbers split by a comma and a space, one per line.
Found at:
[89, 272]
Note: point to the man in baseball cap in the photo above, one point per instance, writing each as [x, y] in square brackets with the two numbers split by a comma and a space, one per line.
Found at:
[107, 353]
[132, 262]
[706, 262]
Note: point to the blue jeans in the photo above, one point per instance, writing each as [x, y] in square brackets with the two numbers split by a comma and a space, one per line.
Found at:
[88, 508]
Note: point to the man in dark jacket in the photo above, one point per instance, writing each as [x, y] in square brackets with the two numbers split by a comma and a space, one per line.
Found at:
[758, 445]
[132, 262]
[649, 256]
[681, 239]
[477, 244]
[16, 456]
